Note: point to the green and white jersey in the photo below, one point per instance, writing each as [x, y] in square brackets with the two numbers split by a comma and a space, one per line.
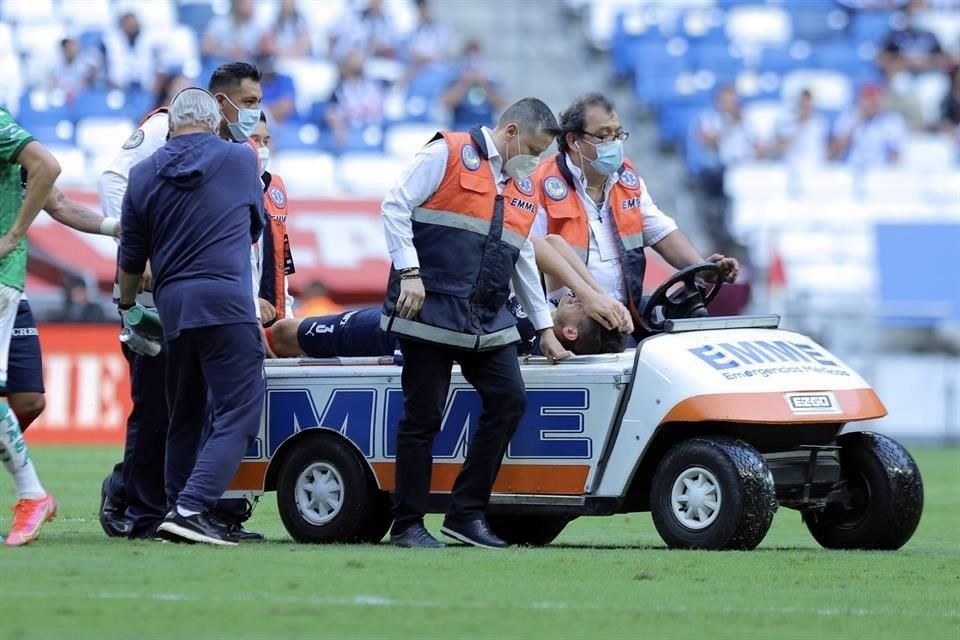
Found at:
[13, 268]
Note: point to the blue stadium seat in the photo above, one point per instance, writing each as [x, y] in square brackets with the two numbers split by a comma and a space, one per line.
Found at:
[92, 39]
[292, 136]
[673, 122]
[429, 84]
[195, 15]
[138, 104]
[31, 118]
[97, 103]
[870, 26]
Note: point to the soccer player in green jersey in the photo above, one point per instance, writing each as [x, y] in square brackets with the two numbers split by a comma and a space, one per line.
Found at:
[18, 208]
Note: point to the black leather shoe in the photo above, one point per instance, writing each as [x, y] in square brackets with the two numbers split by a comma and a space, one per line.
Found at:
[475, 533]
[199, 527]
[416, 536]
[243, 535]
[112, 515]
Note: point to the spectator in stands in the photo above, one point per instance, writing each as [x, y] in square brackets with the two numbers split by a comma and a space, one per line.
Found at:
[74, 72]
[430, 41]
[169, 87]
[720, 139]
[868, 134]
[370, 30]
[279, 92]
[77, 306]
[802, 136]
[950, 110]
[474, 95]
[130, 59]
[237, 35]
[908, 56]
[291, 31]
[356, 102]
[910, 48]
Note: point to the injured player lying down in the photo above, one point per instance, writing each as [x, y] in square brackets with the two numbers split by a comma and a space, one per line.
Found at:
[357, 333]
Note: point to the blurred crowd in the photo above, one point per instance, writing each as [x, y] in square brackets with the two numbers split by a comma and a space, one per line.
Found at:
[869, 133]
[349, 80]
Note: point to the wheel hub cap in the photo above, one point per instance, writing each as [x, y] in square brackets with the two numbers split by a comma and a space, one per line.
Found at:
[319, 493]
[696, 498]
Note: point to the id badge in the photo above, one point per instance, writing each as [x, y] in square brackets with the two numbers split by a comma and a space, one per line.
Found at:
[605, 241]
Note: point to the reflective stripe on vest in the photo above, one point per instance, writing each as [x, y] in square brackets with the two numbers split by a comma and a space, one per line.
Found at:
[468, 341]
[466, 223]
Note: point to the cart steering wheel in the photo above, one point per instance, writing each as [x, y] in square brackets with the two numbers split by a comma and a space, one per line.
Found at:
[690, 301]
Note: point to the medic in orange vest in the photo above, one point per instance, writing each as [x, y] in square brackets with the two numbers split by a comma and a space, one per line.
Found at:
[276, 260]
[592, 198]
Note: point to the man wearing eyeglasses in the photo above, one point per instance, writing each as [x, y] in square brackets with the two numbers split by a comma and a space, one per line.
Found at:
[592, 198]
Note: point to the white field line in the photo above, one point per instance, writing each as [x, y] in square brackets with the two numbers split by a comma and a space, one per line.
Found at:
[384, 601]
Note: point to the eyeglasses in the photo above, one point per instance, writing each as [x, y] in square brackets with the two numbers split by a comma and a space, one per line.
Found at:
[620, 135]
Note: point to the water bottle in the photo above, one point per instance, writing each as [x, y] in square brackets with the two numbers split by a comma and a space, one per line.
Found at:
[142, 331]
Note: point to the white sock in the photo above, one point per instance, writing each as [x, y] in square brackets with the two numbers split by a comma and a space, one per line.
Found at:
[16, 458]
[186, 513]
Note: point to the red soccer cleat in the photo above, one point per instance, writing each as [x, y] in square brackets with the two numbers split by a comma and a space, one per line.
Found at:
[29, 516]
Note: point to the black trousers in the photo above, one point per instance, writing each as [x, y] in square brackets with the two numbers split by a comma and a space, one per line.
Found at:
[426, 381]
[137, 481]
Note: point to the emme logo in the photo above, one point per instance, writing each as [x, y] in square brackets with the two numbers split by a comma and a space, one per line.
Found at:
[764, 358]
[553, 425]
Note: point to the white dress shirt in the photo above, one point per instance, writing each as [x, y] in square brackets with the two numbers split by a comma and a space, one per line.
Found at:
[112, 184]
[421, 179]
[609, 273]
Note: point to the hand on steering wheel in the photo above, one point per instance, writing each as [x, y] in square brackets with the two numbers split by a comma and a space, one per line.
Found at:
[688, 302]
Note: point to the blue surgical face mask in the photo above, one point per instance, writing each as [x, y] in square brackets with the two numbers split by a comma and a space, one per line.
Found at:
[247, 120]
[609, 157]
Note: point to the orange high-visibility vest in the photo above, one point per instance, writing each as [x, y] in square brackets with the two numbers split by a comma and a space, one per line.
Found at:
[277, 258]
[567, 217]
[468, 239]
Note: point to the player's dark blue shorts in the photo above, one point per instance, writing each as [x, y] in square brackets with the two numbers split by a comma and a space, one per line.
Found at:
[25, 364]
[343, 335]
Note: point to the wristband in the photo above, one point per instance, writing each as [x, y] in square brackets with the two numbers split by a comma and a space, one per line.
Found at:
[408, 270]
[109, 227]
[409, 276]
[126, 307]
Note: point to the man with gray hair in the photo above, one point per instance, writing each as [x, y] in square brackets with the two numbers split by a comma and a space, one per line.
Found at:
[457, 228]
[193, 208]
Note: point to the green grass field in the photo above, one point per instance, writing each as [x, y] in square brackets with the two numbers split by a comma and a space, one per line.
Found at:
[604, 577]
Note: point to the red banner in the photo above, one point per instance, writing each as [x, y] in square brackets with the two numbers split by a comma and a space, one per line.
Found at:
[338, 242]
[88, 389]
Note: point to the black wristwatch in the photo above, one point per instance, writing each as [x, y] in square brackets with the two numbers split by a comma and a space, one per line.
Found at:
[126, 307]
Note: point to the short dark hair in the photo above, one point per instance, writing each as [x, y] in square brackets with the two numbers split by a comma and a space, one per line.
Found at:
[574, 119]
[531, 114]
[592, 337]
[231, 74]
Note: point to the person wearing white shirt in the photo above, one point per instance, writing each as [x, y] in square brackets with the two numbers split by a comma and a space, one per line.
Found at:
[802, 135]
[592, 198]
[868, 135]
[130, 57]
[133, 498]
[457, 228]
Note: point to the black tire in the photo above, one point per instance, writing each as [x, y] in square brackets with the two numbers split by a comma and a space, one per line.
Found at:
[326, 458]
[884, 496]
[728, 474]
[379, 519]
[530, 530]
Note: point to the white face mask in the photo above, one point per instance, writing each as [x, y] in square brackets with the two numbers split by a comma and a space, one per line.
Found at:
[264, 158]
[520, 166]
